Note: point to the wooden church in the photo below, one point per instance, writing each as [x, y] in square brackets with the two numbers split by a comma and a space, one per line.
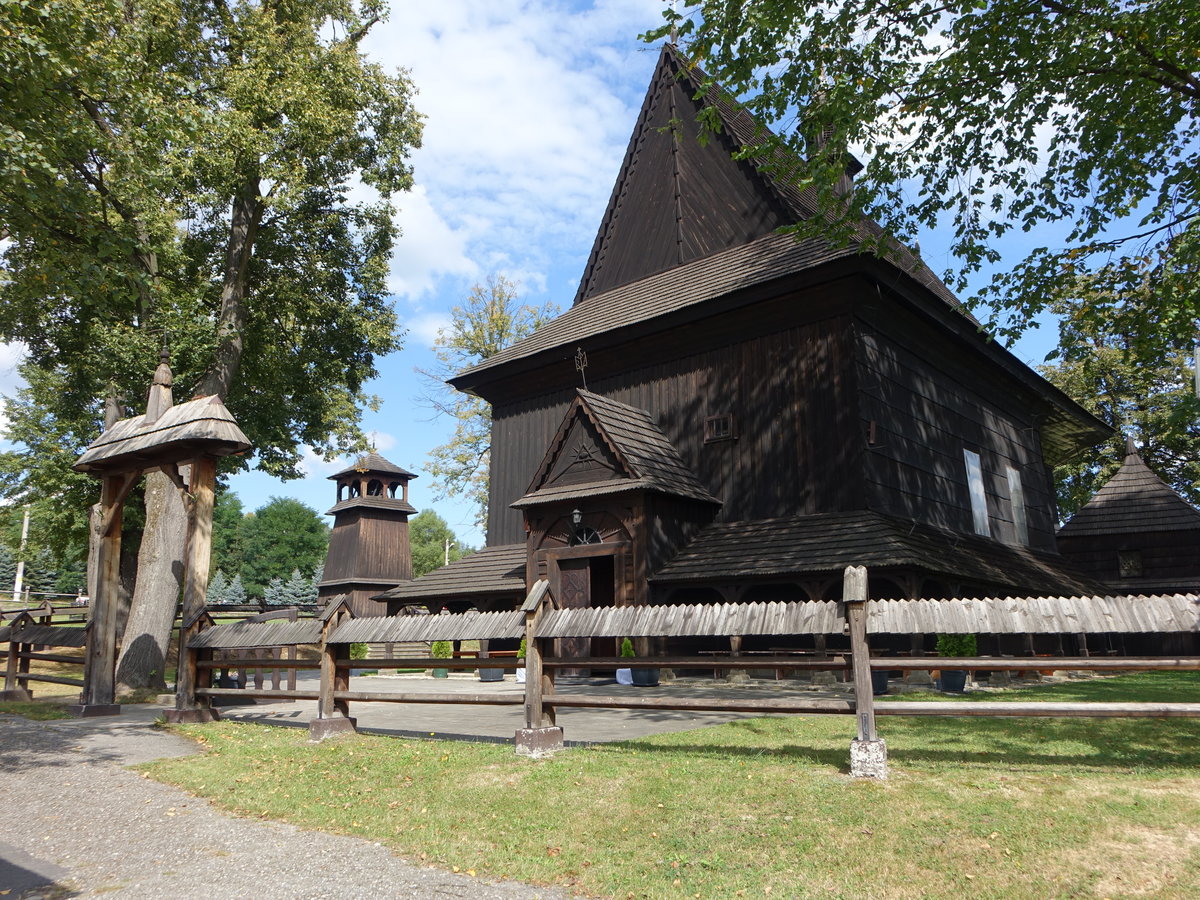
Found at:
[729, 413]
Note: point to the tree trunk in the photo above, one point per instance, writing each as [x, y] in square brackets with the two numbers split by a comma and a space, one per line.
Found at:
[143, 658]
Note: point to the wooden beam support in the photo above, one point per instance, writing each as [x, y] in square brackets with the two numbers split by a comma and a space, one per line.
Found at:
[854, 595]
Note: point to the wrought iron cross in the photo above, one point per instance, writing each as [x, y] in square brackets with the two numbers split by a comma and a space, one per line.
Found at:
[581, 365]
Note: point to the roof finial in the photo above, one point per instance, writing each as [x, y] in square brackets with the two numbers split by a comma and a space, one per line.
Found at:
[1130, 446]
[674, 36]
[581, 364]
[160, 399]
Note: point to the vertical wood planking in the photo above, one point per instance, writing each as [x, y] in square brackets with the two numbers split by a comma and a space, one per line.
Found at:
[854, 594]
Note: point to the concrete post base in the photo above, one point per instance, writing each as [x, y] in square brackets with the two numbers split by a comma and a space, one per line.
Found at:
[538, 742]
[17, 695]
[666, 675]
[737, 676]
[88, 710]
[868, 759]
[191, 716]
[825, 677]
[1000, 678]
[320, 729]
[919, 677]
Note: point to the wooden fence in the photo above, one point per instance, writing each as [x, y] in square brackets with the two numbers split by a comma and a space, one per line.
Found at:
[542, 625]
[31, 635]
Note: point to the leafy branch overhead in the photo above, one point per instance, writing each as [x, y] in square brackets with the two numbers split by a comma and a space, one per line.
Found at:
[988, 118]
[491, 318]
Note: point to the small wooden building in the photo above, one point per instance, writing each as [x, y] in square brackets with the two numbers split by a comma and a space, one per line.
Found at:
[369, 547]
[1136, 536]
[728, 413]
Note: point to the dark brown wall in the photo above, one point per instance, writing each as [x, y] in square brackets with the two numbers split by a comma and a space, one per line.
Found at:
[368, 543]
[924, 400]
[787, 382]
[1170, 559]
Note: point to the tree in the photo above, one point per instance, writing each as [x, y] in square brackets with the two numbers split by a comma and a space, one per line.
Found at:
[237, 591]
[986, 117]
[1149, 399]
[274, 594]
[282, 535]
[179, 171]
[428, 534]
[228, 521]
[490, 319]
[218, 589]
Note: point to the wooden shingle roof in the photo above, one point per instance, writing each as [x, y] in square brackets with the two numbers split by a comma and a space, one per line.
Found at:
[646, 456]
[827, 543]
[372, 462]
[202, 425]
[491, 571]
[1133, 500]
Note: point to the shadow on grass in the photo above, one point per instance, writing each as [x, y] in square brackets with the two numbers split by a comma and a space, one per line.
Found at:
[1143, 745]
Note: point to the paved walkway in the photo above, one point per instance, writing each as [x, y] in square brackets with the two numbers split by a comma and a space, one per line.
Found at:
[77, 823]
[500, 723]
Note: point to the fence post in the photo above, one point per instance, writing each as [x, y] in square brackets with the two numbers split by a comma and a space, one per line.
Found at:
[333, 716]
[541, 735]
[868, 754]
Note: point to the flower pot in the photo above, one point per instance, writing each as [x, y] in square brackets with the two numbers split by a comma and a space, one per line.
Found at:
[953, 681]
[645, 677]
[879, 681]
[624, 676]
[491, 674]
[441, 673]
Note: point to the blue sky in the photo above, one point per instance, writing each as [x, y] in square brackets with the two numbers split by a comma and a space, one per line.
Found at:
[529, 105]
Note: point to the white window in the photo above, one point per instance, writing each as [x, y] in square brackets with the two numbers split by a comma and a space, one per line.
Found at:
[979, 512]
[1016, 496]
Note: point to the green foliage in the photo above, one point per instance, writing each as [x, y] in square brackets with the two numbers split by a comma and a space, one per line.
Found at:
[521, 650]
[627, 648]
[442, 650]
[228, 552]
[184, 170]
[273, 594]
[282, 535]
[218, 589]
[1150, 398]
[490, 319]
[988, 118]
[427, 535]
[237, 591]
[359, 651]
[956, 645]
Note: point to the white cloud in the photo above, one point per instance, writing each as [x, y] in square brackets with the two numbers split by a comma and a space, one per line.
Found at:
[529, 106]
[425, 326]
[381, 440]
[11, 356]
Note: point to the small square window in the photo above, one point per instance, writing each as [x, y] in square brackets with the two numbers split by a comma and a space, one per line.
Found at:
[719, 428]
[1130, 562]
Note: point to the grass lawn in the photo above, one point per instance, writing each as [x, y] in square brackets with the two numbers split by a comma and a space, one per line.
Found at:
[1006, 808]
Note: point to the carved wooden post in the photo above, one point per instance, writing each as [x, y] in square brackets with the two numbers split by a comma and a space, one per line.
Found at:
[197, 556]
[541, 735]
[868, 754]
[100, 661]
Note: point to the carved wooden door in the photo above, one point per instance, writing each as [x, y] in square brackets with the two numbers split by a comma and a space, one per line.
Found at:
[575, 585]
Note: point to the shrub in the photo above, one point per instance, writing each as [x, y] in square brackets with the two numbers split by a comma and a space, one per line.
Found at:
[627, 648]
[956, 645]
[358, 651]
[442, 650]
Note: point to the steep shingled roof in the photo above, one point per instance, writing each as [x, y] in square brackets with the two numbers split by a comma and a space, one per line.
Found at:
[372, 462]
[647, 457]
[493, 570]
[827, 543]
[1133, 500]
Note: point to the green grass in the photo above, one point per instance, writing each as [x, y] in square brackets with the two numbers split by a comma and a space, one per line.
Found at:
[1005, 808]
[39, 710]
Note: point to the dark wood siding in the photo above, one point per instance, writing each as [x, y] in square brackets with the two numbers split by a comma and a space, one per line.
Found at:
[788, 384]
[1170, 559]
[921, 404]
[368, 544]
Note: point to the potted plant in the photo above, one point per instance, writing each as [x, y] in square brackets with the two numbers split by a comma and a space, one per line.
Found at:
[955, 680]
[625, 676]
[879, 681]
[641, 677]
[488, 673]
[442, 650]
[521, 662]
